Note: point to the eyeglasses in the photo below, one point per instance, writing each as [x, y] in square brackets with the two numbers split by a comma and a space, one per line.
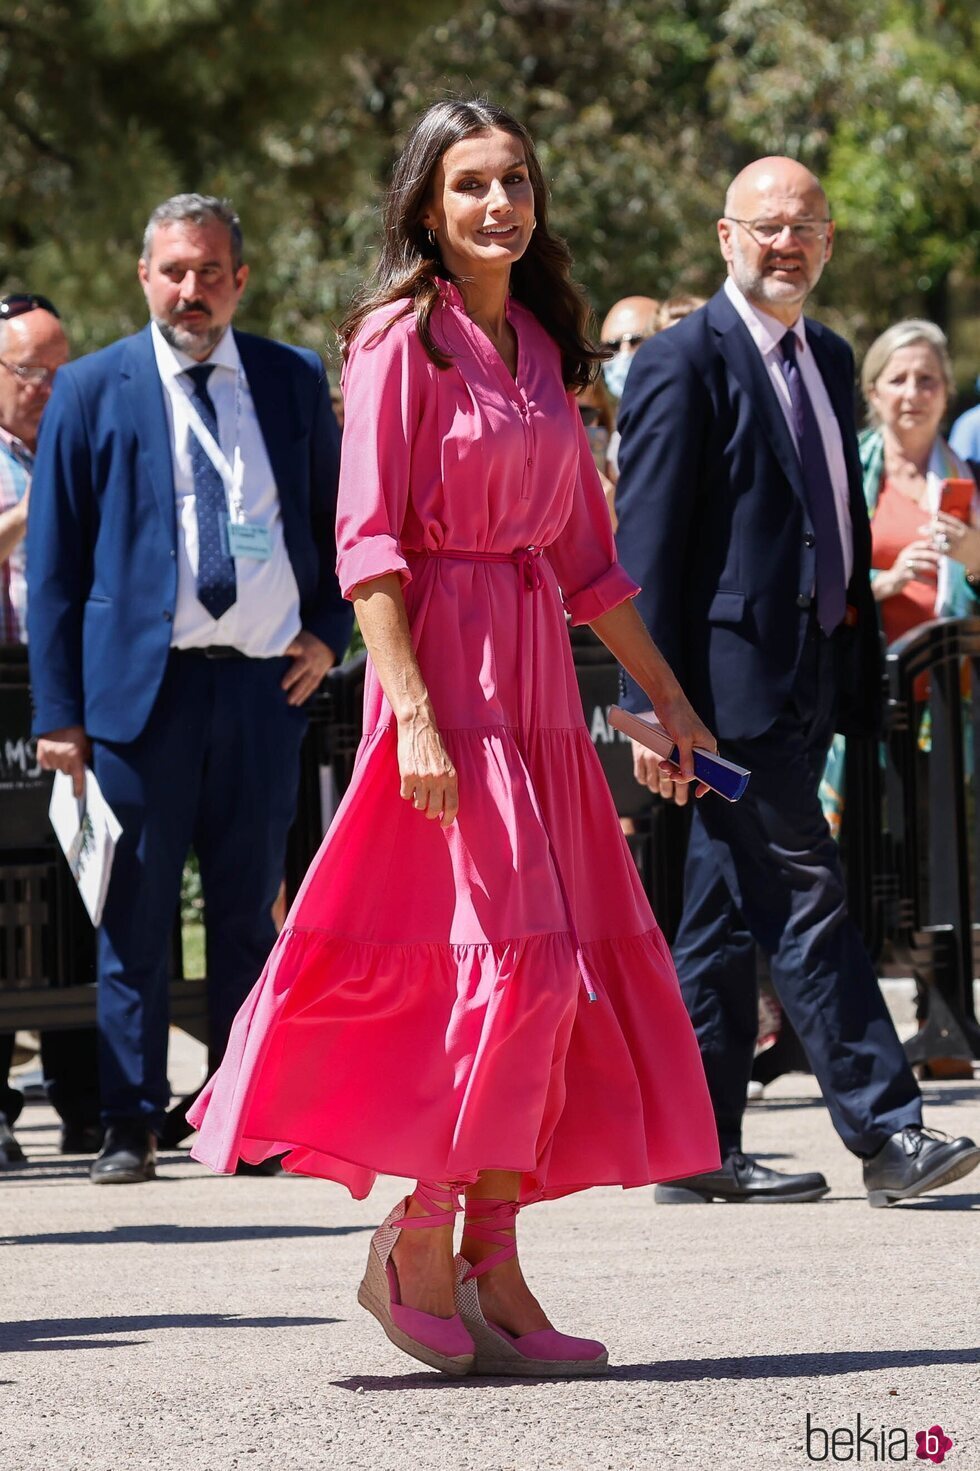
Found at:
[36, 377]
[807, 232]
[24, 301]
[590, 415]
[628, 339]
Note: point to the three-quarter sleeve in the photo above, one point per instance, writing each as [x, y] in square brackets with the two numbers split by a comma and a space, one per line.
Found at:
[381, 415]
[584, 554]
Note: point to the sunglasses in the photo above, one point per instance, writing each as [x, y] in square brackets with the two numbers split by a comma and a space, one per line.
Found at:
[21, 302]
[628, 339]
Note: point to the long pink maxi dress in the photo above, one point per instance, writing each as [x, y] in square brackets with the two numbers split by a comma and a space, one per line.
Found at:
[426, 1010]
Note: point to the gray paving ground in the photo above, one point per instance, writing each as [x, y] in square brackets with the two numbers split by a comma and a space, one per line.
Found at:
[211, 1323]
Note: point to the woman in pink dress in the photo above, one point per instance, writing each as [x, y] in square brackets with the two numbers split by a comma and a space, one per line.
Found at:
[470, 989]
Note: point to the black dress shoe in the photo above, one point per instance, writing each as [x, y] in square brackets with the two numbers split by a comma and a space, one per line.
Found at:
[742, 1178]
[915, 1161]
[82, 1138]
[271, 1166]
[175, 1126]
[10, 1151]
[128, 1156]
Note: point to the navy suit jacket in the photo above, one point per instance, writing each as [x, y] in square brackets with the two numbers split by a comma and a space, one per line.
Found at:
[713, 525]
[102, 560]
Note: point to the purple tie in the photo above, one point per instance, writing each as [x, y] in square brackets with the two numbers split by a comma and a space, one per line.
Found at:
[820, 500]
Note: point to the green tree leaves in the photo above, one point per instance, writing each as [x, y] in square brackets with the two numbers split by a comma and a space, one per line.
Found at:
[642, 110]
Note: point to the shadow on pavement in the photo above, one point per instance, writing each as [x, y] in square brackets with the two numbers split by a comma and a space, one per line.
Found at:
[163, 1233]
[670, 1371]
[920, 1203]
[943, 1203]
[43, 1168]
[49, 1334]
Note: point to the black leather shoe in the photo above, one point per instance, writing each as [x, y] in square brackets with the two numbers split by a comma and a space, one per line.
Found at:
[915, 1161]
[129, 1156]
[742, 1178]
[10, 1151]
[82, 1138]
[272, 1166]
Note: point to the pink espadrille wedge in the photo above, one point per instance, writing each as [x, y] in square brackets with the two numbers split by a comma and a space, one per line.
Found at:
[544, 1354]
[442, 1343]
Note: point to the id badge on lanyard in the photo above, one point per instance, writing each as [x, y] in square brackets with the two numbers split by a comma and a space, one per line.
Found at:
[243, 538]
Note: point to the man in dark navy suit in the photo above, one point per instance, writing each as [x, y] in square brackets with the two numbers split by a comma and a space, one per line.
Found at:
[183, 606]
[741, 515]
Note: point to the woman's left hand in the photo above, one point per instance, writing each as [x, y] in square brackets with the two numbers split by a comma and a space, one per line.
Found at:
[687, 731]
[955, 539]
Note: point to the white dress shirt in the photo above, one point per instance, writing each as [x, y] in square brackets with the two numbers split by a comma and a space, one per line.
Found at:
[767, 334]
[265, 618]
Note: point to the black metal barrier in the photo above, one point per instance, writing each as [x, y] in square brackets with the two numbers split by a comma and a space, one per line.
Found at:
[910, 841]
[659, 830]
[927, 881]
[326, 764]
[47, 943]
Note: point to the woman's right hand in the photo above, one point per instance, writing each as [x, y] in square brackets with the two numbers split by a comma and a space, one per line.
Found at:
[428, 777]
[917, 562]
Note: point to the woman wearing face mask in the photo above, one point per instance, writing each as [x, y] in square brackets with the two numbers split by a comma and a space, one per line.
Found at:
[428, 1009]
[627, 324]
[599, 419]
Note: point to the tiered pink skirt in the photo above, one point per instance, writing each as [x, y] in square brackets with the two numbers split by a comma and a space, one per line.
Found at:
[426, 1011]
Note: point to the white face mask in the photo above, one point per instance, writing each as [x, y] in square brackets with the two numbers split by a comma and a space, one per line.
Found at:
[615, 371]
[598, 443]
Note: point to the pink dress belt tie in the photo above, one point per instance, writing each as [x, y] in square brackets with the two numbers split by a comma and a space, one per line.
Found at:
[527, 561]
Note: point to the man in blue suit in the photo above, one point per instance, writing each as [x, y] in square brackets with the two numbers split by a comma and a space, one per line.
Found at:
[741, 516]
[183, 606]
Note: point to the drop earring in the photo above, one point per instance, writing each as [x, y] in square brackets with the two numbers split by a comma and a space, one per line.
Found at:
[432, 238]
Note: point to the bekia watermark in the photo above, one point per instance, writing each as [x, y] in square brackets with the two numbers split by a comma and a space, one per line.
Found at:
[871, 1443]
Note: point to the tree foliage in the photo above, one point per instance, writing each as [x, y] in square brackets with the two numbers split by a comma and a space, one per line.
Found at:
[642, 109]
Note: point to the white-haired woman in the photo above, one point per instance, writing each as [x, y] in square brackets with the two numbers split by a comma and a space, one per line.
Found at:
[924, 558]
[925, 561]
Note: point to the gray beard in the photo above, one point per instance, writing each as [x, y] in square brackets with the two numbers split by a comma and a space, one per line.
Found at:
[758, 287]
[190, 343]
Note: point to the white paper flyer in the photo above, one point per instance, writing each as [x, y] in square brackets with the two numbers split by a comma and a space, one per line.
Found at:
[88, 830]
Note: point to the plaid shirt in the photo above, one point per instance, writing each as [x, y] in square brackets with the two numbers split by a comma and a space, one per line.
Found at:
[16, 463]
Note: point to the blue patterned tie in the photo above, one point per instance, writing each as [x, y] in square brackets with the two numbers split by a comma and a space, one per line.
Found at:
[216, 587]
[821, 502]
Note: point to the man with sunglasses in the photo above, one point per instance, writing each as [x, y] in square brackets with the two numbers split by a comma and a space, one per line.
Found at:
[183, 608]
[741, 514]
[33, 346]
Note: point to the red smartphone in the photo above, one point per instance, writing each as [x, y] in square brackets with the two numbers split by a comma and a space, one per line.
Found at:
[956, 499]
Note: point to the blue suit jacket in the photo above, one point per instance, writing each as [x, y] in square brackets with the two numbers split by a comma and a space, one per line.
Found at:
[713, 524]
[102, 560]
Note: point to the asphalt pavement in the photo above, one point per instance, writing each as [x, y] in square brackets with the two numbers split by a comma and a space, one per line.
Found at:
[199, 1322]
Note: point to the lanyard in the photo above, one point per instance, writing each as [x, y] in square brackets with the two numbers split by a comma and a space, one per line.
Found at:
[233, 474]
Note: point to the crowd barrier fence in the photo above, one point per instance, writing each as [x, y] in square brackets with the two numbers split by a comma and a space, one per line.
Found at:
[910, 838]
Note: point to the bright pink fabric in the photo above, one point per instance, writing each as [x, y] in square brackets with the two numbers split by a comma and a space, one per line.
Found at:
[423, 1012]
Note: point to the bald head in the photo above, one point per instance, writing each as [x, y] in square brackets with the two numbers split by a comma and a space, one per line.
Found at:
[768, 180]
[32, 342]
[634, 316]
[776, 234]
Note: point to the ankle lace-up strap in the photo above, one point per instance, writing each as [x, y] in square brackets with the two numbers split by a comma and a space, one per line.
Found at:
[442, 1199]
[492, 1221]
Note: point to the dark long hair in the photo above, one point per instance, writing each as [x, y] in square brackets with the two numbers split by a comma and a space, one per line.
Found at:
[410, 266]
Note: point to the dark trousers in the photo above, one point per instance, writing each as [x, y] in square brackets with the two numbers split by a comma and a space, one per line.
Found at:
[70, 1069]
[766, 871]
[217, 767]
